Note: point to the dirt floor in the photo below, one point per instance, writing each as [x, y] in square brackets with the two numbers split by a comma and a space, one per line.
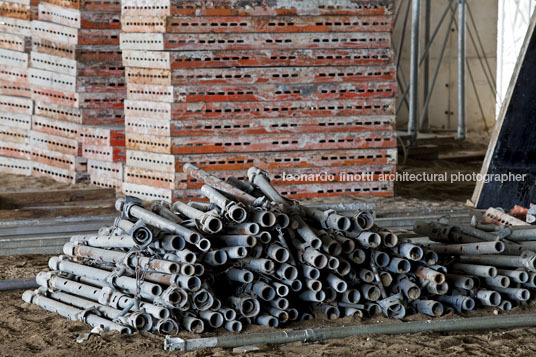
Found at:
[437, 191]
[29, 330]
[10, 182]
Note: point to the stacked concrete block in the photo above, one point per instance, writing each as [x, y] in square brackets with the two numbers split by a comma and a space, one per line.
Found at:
[305, 89]
[77, 83]
[104, 147]
[16, 106]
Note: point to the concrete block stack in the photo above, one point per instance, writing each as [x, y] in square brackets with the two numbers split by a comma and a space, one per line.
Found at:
[77, 83]
[16, 106]
[104, 147]
[305, 89]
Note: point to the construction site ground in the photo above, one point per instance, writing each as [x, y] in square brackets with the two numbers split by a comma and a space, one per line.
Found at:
[29, 330]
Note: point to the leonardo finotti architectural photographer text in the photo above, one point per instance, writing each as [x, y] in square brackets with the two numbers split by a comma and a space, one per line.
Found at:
[403, 177]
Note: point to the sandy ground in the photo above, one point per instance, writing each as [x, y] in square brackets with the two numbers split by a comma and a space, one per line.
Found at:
[28, 330]
[15, 183]
[437, 191]
[10, 182]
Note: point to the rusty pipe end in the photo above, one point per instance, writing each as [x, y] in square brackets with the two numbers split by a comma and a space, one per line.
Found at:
[403, 266]
[370, 239]
[333, 263]
[338, 222]
[237, 213]
[381, 259]
[282, 220]
[363, 220]
[166, 326]
[192, 238]
[142, 236]
[282, 290]
[390, 240]
[253, 228]
[333, 248]
[212, 224]
[414, 292]
[188, 269]
[315, 243]
[264, 218]
[469, 283]
[264, 237]
[141, 321]
[296, 285]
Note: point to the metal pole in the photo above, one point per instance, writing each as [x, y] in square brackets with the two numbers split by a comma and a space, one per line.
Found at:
[403, 97]
[414, 80]
[461, 70]
[72, 313]
[398, 53]
[436, 72]
[134, 210]
[426, 74]
[218, 184]
[323, 334]
[15, 284]
[401, 79]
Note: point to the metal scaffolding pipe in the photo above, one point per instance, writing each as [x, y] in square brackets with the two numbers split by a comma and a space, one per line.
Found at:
[72, 313]
[209, 222]
[426, 70]
[118, 258]
[262, 181]
[15, 284]
[139, 320]
[461, 69]
[322, 334]
[508, 261]
[414, 71]
[148, 290]
[330, 219]
[135, 210]
[232, 210]
[496, 247]
[140, 234]
[218, 184]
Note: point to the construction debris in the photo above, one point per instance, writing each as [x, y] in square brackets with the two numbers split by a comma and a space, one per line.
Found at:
[251, 256]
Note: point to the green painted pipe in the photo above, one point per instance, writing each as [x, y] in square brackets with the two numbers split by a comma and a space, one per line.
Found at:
[322, 334]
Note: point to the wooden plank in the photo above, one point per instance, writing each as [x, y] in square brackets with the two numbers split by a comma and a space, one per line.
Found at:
[513, 142]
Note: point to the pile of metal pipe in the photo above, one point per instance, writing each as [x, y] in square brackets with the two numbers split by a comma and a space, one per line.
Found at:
[494, 265]
[247, 256]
